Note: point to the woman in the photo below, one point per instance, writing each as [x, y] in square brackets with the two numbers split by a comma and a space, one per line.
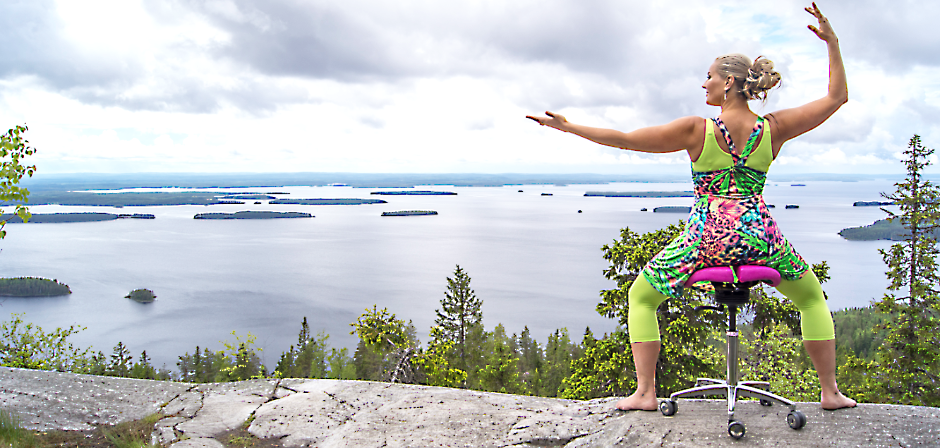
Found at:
[730, 224]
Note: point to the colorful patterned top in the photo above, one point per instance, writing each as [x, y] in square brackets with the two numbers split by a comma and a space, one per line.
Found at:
[729, 224]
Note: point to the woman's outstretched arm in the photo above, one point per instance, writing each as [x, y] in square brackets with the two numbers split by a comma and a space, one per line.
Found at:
[675, 136]
[789, 123]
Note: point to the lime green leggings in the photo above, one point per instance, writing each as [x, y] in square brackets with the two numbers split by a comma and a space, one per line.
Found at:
[805, 293]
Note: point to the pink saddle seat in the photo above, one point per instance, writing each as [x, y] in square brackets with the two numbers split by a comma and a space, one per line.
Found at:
[747, 273]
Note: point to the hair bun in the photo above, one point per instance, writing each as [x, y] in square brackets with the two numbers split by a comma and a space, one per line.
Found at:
[761, 77]
[756, 77]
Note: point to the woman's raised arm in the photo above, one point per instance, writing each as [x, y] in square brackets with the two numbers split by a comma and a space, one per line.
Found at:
[789, 123]
[671, 137]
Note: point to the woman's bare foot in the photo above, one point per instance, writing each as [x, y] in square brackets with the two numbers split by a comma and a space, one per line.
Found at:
[639, 401]
[835, 401]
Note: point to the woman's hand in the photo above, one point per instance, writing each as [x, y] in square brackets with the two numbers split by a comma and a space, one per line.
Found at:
[824, 31]
[553, 120]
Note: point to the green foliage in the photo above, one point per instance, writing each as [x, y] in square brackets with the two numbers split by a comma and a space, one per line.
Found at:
[14, 435]
[559, 353]
[860, 379]
[386, 347]
[32, 287]
[142, 368]
[202, 367]
[435, 365]
[238, 361]
[499, 372]
[242, 359]
[460, 315]
[13, 148]
[858, 332]
[530, 353]
[121, 361]
[776, 357]
[27, 346]
[604, 368]
[906, 369]
[627, 257]
[133, 434]
[341, 365]
[310, 358]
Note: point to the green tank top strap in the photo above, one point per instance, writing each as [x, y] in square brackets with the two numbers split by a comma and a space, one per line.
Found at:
[762, 156]
[712, 157]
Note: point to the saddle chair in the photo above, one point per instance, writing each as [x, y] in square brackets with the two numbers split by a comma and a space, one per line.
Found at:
[732, 290]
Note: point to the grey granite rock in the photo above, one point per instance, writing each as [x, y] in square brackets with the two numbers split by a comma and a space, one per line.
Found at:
[332, 413]
[199, 442]
[227, 406]
[54, 400]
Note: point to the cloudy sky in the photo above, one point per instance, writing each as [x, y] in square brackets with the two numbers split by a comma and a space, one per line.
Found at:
[439, 86]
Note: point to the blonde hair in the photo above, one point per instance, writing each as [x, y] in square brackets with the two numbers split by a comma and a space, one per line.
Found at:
[756, 77]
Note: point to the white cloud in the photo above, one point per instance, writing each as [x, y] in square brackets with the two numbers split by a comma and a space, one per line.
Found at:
[231, 85]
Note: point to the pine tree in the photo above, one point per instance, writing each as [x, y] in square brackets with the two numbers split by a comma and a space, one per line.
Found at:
[909, 359]
[460, 315]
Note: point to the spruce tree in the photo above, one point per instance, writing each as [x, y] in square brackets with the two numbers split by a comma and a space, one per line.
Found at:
[121, 361]
[142, 369]
[459, 316]
[559, 352]
[909, 359]
[501, 371]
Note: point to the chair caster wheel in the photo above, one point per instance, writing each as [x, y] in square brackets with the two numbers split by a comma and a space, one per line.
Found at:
[736, 429]
[796, 419]
[668, 407]
[766, 403]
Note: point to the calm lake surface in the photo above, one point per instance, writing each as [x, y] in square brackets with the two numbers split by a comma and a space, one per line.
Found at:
[533, 259]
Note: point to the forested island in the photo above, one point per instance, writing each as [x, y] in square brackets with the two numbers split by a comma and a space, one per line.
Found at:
[415, 193]
[882, 229]
[347, 201]
[141, 296]
[50, 218]
[641, 194]
[32, 287]
[673, 209]
[247, 197]
[871, 203]
[253, 215]
[410, 213]
[138, 198]
[128, 199]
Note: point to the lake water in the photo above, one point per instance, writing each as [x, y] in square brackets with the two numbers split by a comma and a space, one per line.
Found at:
[533, 259]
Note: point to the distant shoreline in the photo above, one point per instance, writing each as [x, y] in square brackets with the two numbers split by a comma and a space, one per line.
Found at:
[107, 181]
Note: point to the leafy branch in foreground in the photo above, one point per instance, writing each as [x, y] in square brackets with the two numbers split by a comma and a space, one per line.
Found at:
[28, 346]
[13, 148]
